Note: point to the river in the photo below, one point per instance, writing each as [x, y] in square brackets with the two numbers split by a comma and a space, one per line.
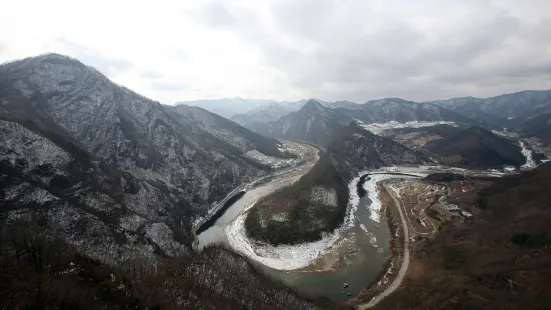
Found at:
[368, 242]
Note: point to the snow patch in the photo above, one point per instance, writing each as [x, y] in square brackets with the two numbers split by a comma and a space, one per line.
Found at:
[324, 196]
[378, 128]
[273, 162]
[530, 163]
[291, 257]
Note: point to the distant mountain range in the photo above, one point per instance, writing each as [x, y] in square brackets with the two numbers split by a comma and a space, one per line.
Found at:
[317, 123]
[517, 112]
[508, 109]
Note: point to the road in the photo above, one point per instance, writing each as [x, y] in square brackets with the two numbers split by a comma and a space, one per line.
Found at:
[309, 152]
[405, 262]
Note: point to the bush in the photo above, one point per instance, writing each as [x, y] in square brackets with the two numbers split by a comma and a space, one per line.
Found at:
[454, 258]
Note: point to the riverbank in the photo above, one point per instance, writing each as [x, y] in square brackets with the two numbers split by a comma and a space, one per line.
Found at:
[318, 253]
[389, 269]
[291, 257]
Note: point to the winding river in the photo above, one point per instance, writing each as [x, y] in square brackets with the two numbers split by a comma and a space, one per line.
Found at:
[367, 249]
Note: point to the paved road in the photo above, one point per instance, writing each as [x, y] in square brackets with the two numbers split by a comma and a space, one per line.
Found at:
[262, 179]
[405, 263]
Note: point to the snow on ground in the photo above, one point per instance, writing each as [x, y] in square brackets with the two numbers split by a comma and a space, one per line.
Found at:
[373, 240]
[283, 257]
[378, 128]
[371, 187]
[324, 196]
[422, 223]
[273, 162]
[528, 154]
[291, 257]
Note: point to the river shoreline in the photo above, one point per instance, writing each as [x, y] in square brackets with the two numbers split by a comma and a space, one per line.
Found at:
[389, 269]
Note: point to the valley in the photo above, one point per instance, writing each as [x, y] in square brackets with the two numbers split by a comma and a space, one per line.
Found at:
[359, 251]
[306, 205]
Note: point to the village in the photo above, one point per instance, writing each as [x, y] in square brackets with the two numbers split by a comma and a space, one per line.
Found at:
[430, 204]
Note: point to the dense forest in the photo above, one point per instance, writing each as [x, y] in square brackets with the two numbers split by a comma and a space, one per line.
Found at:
[39, 271]
[306, 218]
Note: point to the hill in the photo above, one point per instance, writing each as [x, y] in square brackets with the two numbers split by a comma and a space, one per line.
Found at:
[317, 203]
[470, 147]
[313, 123]
[498, 260]
[401, 111]
[539, 127]
[507, 110]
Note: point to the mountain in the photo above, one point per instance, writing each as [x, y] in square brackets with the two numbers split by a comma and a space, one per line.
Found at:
[259, 119]
[317, 203]
[341, 104]
[399, 110]
[317, 123]
[497, 260]
[508, 110]
[228, 131]
[470, 147]
[228, 107]
[539, 127]
[115, 174]
[312, 123]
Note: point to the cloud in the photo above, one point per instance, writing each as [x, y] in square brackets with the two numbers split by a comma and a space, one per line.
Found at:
[90, 56]
[216, 14]
[292, 49]
[151, 74]
[169, 86]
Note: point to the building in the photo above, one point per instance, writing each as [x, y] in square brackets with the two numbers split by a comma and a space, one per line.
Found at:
[453, 208]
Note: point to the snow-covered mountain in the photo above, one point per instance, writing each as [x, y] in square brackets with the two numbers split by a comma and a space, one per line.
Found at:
[399, 110]
[317, 123]
[312, 123]
[508, 110]
[260, 119]
[472, 147]
[112, 172]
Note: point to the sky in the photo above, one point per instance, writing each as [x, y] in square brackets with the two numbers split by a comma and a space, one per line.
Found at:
[354, 50]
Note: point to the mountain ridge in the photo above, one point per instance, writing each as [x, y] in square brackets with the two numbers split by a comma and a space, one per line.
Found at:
[129, 169]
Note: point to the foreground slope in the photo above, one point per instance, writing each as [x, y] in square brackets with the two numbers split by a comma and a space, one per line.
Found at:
[111, 171]
[317, 203]
[40, 271]
[497, 260]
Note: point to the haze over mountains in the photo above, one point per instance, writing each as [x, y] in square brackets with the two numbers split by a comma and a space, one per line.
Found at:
[525, 112]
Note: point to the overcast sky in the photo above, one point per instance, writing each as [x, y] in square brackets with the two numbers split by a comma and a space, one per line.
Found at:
[292, 49]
